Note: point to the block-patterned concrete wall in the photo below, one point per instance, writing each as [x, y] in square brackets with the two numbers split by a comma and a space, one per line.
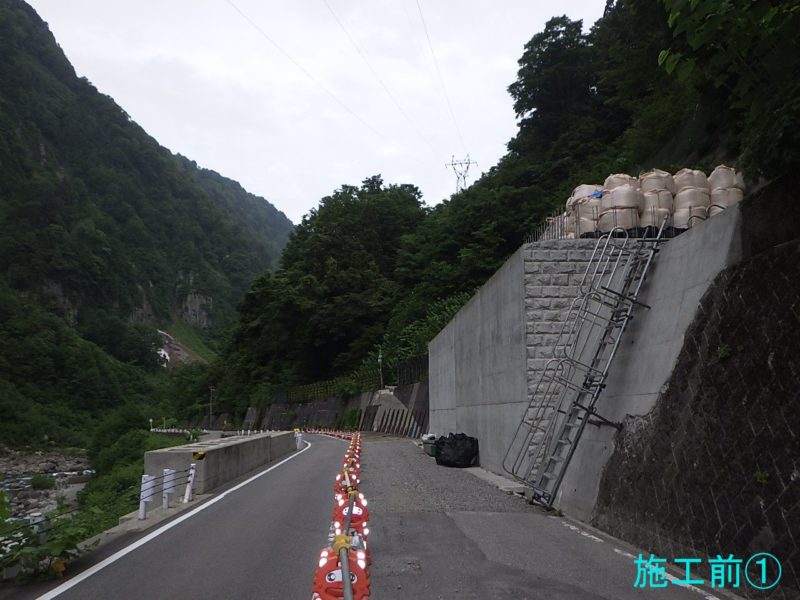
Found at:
[484, 365]
[553, 273]
[476, 387]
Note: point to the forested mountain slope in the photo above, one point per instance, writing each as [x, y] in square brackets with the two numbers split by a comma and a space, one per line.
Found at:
[104, 237]
[97, 215]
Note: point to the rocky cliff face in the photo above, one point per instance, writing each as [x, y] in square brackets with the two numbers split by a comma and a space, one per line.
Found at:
[196, 309]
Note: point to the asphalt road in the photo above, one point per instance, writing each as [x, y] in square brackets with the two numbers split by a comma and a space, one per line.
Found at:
[437, 534]
[444, 534]
[259, 541]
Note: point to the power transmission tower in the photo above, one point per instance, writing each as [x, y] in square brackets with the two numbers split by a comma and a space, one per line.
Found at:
[461, 169]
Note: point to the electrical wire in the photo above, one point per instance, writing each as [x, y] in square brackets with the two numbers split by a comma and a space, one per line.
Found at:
[441, 79]
[308, 74]
[378, 78]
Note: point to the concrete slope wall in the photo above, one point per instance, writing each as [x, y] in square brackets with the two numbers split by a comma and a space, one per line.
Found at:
[485, 363]
[477, 363]
[405, 405]
[679, 277]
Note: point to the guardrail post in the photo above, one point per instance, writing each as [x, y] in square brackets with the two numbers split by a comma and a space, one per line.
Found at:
[146, 494]
[169, 487]
[187, 495]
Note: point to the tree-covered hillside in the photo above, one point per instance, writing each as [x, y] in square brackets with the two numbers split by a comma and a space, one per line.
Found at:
[105, 236]
[98, 216]
[653, 83]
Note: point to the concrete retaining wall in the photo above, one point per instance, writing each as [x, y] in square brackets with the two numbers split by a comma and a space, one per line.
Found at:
[485, 364]
[225, 459]
[405, 406]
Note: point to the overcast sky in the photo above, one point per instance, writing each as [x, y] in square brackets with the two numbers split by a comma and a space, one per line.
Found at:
[295, 119]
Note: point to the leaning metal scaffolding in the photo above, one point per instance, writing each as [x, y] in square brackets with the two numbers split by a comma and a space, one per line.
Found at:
[565, 397]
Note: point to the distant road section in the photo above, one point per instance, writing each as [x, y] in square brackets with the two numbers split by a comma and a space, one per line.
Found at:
[259, 541]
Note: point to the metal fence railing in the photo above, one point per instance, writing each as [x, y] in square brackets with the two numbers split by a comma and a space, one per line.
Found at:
[413, 370]
[592, 222]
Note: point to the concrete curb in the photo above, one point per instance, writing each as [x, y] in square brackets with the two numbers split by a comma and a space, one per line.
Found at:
[505, 484]
[130, 523]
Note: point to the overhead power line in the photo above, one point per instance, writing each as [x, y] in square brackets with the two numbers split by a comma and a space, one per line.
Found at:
[441, 79]
[378, 77]
[305, 72]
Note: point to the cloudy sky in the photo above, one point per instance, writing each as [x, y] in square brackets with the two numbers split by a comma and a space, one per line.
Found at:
[293, 98]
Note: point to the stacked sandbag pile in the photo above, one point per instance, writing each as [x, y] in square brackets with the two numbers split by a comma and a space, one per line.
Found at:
[658, 189]
[691, 202]
[583, 210]
[621, 203]
[727, 189]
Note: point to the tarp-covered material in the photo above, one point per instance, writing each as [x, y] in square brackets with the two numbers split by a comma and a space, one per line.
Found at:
[457, 450]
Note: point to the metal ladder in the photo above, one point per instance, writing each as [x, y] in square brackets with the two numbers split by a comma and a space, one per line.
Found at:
[564, 399]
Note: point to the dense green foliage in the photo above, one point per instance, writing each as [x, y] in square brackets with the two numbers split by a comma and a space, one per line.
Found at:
[325, 309]
[746, 55]
[52, 381]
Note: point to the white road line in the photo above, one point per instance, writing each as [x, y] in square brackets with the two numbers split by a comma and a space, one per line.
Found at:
[582, 532]
[151, 536]
[668, 576]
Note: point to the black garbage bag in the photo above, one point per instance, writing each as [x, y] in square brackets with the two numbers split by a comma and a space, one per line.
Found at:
[457, 450]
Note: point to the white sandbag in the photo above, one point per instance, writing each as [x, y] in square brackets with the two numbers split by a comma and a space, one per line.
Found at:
[588, 208]
[585, 190]
[656, 179]
[657, 199]
[725, 177]
[684, 218]
[714, 210]
[626, 218]
[614, 181]
[654, 217]
[623, 196]
[586, 226]
[691, 196]
[726, 197]
[688, 178]
[722, 198]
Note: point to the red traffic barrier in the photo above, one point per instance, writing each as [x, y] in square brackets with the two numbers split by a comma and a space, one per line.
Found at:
[340, 484]
[328, 584]
[342, 505]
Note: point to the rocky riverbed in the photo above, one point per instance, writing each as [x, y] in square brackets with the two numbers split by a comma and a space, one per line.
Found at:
[70, 471]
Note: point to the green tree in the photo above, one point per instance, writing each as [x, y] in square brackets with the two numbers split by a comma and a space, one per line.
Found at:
[746, 51]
